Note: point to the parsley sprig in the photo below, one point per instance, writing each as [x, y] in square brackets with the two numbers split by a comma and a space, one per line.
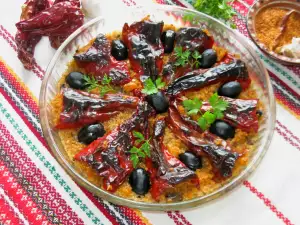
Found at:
[144, 150]
[187, 57]
[151, 87]
[104, 86]
[193, 107]
[220, 9]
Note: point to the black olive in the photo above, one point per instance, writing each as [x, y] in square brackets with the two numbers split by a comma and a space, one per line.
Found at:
[168, 39]
[222, 129]
[90, 133]
[119, 50]
[191, 160]
[76, 80]
[259, 113]
[139, 181]
[159, 102]
[231, 89]
[209, 58]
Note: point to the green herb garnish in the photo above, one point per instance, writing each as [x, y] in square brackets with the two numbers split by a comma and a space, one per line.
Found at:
[151, 88]
[219, 9]
[218, 105]
[144, 150]
[104, 86]
[187, 57]
[192, 106]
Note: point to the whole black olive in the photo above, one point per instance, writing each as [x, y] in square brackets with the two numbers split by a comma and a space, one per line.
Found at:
[159, 102]
[119, 50]
[76, 80]
[168, 39]
[231, 89]
[191, 160]
[259, 113]
[139, 181]
[208, 59]
[222, 129]
[90, 133]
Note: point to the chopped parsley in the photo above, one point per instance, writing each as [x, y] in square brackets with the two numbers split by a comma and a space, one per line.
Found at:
[151, 87]
[139, 153]
[193, 107]
[104, 86]
[184, 57]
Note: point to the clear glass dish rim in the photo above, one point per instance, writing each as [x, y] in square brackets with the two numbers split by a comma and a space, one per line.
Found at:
[143, 205]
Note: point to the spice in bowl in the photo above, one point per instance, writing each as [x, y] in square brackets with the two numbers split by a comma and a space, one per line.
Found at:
[278, 29]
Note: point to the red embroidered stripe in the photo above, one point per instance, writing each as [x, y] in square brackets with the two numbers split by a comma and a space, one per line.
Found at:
[7, 214]
[22, 92]
[267, 202]
[35, 177]
[288, 131]
[21, 114]
[24, 203]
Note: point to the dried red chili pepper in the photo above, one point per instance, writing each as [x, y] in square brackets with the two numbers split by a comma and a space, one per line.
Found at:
[222, 159]
[145, 47]
[56, 41]
[224, 72]
[109, 155]
[167, 170]
[73, 2]
[99, 61]
[26, 42]
[80, 108]
[61, 19]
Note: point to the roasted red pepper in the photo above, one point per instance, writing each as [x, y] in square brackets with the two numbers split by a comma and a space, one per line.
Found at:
[166, 170]
[240, 113]
[61, 19]
[99, 61]
[222, 159]
[193, 38]
[80, 108]
[26, 42]
[222, 73]
[109, 155]
[145, 47]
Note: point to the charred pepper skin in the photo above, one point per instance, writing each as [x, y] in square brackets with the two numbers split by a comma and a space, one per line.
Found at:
[81, 108]
[193, 38]
[221, 73]
[99, 61]
[222, 159]
[145, 49]
[109, 155]
[166, 170]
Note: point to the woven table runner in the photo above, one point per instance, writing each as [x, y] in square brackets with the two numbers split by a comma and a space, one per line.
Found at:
[34, 189]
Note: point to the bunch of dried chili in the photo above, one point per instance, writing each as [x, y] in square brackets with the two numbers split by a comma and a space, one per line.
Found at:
[39, 18]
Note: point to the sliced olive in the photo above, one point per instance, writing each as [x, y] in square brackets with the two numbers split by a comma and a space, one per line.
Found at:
[222, 129]
[119, 50]
[168, 39]
[139, 181]
[191, 160]
[231, 89]
[208, 58]
[76, 80]
[159, 102]
[90, 133]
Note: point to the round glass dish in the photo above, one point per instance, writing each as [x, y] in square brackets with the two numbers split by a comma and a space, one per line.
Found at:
[222, 34]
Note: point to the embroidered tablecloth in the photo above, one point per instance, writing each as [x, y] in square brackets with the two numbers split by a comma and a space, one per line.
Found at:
[34, 189]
